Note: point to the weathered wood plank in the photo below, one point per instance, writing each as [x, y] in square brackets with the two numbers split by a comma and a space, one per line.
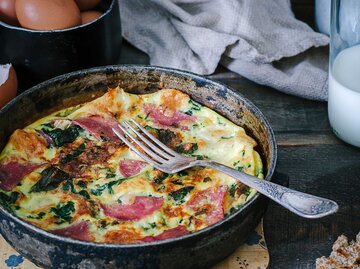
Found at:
[331, 171]
[300, 139]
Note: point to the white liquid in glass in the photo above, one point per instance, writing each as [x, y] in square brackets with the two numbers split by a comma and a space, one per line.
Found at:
[344, 95]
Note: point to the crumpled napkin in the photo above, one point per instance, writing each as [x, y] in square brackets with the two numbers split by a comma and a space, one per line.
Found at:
[258, 39]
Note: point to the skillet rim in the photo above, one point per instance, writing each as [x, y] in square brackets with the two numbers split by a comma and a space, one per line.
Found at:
[109, 69]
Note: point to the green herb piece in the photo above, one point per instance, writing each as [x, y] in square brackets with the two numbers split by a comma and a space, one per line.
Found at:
[194, 105]
[8, 200]
[232, 210]
[62, 137]
[74, 154]
[183, 173]
[162, 221]
[240, 168]
[188, 148]
[200, 157]
[82, 184]
[259, 171]
[101, 188]
[227, 137]
[151, 226]
[220, 122]
[161, 188]
[38, 216]
[247, 192]
[103, 224]
[140, 117]
[63, 212]
[180, 194]
[232, 190]
[151, 129]
[69, 186]
[85, 194]
[113, 183]
[49, 125]
[160, 177]
[110, 175]
[207, 179]
[189, 112]
[50, 179]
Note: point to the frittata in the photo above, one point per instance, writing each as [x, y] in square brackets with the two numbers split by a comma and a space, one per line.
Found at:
[69, 174]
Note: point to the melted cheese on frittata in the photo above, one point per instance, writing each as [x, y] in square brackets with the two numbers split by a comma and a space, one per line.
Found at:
[87, 185]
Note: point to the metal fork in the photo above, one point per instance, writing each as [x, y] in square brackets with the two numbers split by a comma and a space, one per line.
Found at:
[167, 160]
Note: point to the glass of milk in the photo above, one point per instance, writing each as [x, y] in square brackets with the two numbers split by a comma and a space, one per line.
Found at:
[344, 70]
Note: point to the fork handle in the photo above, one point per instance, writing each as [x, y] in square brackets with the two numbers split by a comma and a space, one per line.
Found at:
[302, 204]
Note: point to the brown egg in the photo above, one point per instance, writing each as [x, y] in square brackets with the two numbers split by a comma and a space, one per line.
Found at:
[7, 12]
[87, 4]
[89, 16]
[47, 14]
[8, 84]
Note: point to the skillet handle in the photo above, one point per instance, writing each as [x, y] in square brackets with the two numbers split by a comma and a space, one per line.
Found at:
[302, 204]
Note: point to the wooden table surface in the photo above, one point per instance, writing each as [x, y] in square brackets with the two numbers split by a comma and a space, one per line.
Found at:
[310, 159]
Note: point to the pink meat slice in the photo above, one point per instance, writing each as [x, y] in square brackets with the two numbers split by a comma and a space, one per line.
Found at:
[142, 207]
[159, 115]
[129, 168]
[79, 231]
[171, 233]
[99, 127]
[213, 200]
[13, 172]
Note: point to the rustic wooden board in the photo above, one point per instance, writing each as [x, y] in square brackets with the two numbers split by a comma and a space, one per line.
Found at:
[332, 171]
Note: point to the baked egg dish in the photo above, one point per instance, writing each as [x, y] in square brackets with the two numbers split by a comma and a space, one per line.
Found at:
[69, 174]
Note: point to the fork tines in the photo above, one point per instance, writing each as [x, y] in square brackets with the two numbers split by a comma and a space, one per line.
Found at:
[148, 147]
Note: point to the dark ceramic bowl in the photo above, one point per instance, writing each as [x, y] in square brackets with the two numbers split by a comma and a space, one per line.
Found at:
[198, 250]
[40, 55]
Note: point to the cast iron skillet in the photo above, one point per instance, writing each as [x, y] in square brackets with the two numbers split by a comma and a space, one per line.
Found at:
[198, 250]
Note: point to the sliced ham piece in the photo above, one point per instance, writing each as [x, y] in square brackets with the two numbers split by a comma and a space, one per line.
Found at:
[13, 172]
[171, 233]
[161, 116]
[99, 127]
[142, 207]
[129, 168]
[211, 201]
[79, 231]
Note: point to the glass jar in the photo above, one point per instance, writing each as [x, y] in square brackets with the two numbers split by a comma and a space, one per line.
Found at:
[344, 70]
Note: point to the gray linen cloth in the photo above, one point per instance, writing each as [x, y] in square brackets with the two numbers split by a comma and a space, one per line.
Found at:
[258, 39]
